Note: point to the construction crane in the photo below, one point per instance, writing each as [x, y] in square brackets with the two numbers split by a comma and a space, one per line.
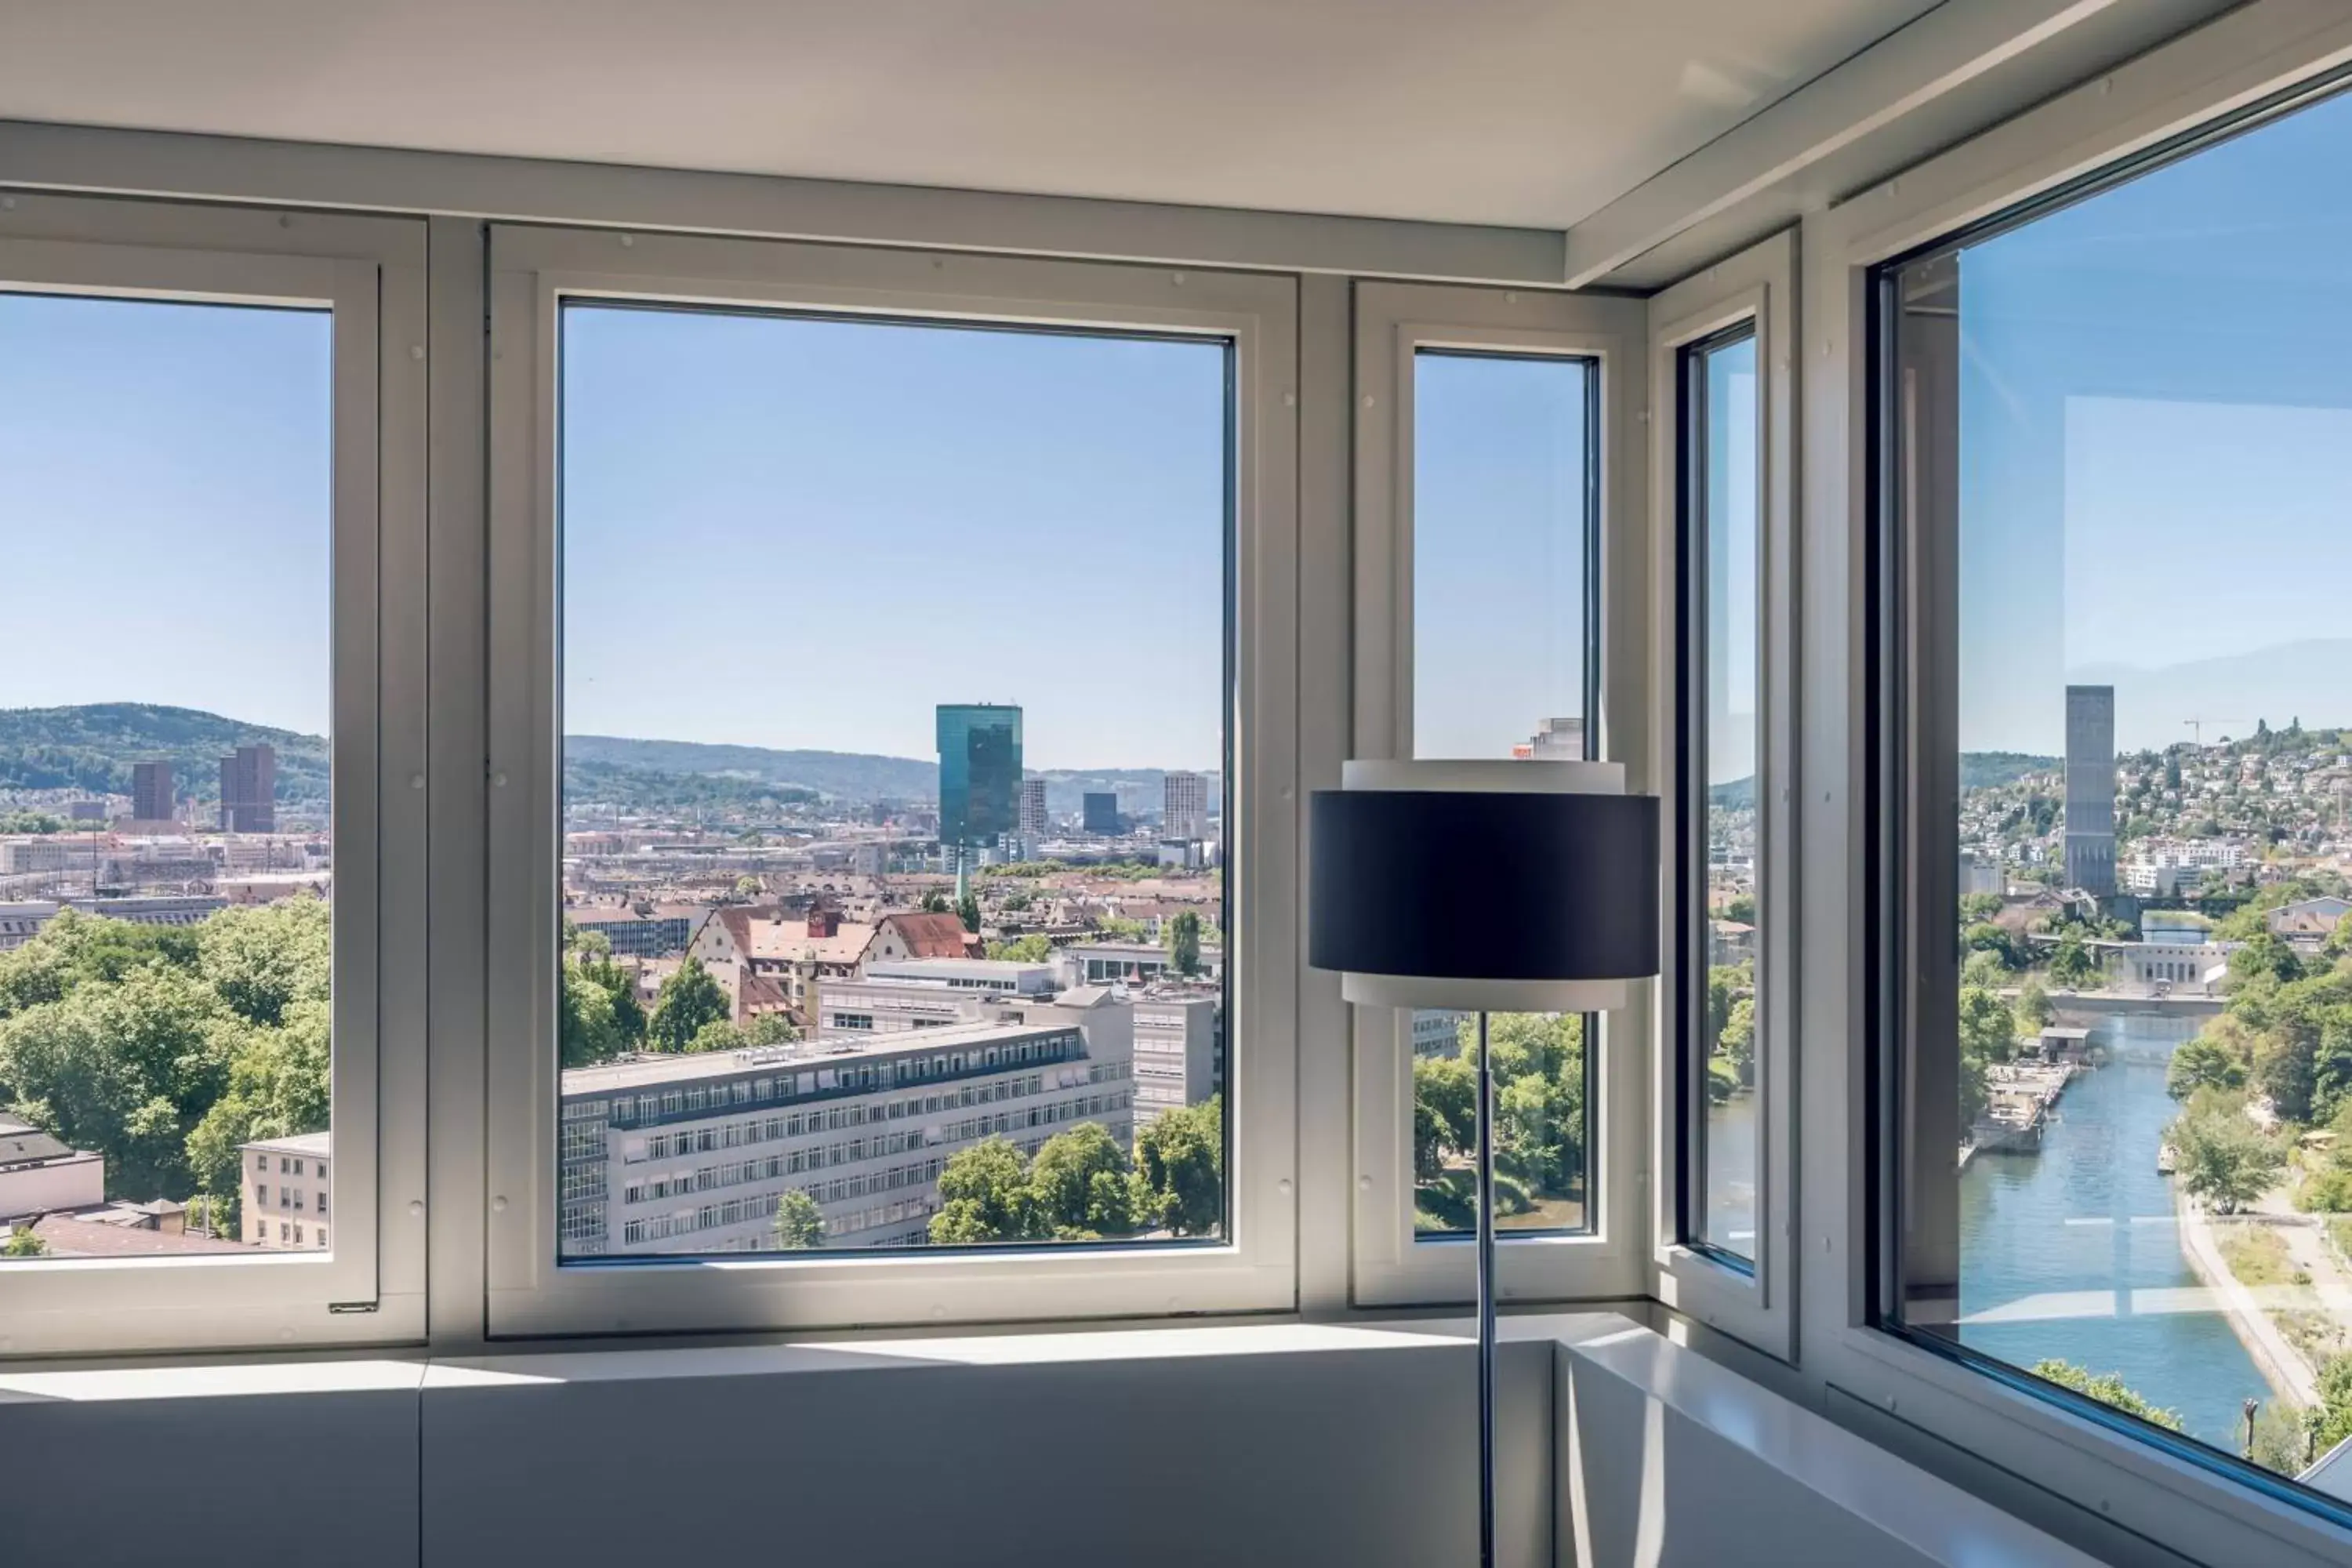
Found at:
[2197, 728]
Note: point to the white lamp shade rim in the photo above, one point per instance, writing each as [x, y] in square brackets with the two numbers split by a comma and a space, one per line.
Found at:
[1485, 995]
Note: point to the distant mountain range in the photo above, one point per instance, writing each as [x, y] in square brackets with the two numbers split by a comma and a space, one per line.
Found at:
[92, 748]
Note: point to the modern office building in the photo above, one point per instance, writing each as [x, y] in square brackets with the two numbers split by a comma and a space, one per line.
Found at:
[980, 778]
[2091, 789]
[152, 797]
[671, 1154]
[1179, 1048]
[282, 1191]
[1100, 813]
[1031, 815]
[248, 790]
[1184, 806]
[661, 933]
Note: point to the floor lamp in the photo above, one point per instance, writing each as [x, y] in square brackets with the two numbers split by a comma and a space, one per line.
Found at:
[1506, 887]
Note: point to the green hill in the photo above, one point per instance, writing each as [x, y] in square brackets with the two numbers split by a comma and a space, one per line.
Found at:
[845, 775]
[92, 747]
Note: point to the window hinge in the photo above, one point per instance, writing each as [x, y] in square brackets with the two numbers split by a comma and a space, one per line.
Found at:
[341, 1307]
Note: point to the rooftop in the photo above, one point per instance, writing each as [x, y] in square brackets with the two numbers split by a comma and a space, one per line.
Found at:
[66, 1235]
[316, 1143]
[646, 1067]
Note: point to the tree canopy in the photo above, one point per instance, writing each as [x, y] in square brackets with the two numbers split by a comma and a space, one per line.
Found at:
[164, 1048]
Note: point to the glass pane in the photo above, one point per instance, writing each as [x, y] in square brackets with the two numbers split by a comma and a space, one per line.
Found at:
[2131, 1172]
[1502, 535]
[894, 676]
[165, 831]
[1730, 644]
[1502, 529]
[1541, 1127]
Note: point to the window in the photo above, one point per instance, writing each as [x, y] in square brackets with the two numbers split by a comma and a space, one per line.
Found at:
[1721, 649]
[936, 470]
[1505, 532]
[1482, 508]
[2108, 825]
[169, 376]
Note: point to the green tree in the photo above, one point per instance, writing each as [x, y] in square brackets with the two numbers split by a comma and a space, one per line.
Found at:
[1180, 1170]
[279, 1085]
[1182, 936]
[934, 902]
[2204, 1062]
[126, 1069]
[1115, 928]
[1987, 1027]
[968, 911]
[2108, 1389]
[1741, 908]
[1736, 1045]
[586, 1030]
[800, 1224]
[2070, 962]
[2265, 955]
[688, 999]
[2224, 1159]
[2033, 1008]
[1034, 948]
[1444, 1112]
[2332, 1420]
[1986, 937]
[264, 958]
[1079, 1183]
[984, 1196]
[1975, 908]
[22, 1243]
[764, 1029]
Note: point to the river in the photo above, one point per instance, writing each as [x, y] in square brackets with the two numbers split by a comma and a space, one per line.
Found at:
[2073, 1252]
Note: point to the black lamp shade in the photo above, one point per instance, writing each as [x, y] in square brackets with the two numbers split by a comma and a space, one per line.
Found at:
[1484, 886]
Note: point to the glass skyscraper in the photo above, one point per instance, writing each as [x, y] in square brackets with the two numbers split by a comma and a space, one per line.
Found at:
[980, 773]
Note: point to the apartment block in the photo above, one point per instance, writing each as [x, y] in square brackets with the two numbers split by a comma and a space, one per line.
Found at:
[283, 1191]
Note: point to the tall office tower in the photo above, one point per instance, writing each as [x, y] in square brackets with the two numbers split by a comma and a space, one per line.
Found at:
[151, 792]
[1033, 808]
[1100, 813]
[2091, 789]
[980, 778]
[1185, 807]
[249, 790]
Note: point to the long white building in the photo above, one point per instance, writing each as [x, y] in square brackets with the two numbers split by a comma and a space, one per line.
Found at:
[689, 1154]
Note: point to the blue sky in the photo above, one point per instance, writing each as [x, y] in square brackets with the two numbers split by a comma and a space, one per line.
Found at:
[2156, 445]
[1497, 551]
[794, 533]
[165, 508]
[797, 533]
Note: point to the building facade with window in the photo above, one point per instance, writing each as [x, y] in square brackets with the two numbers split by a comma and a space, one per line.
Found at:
[689, 1154]
[283, 1192]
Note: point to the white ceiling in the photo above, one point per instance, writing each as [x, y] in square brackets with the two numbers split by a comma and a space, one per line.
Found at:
[1531, 112]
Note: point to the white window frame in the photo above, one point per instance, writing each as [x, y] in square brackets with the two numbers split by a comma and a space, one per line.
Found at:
[1756, 287]
[1921, 1402]
[533, 269]
[370, 272]
[1392, 321]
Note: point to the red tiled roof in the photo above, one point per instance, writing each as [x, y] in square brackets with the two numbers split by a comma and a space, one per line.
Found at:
[931, 936]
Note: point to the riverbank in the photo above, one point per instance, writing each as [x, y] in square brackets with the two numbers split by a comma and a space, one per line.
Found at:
[2283, 1366]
